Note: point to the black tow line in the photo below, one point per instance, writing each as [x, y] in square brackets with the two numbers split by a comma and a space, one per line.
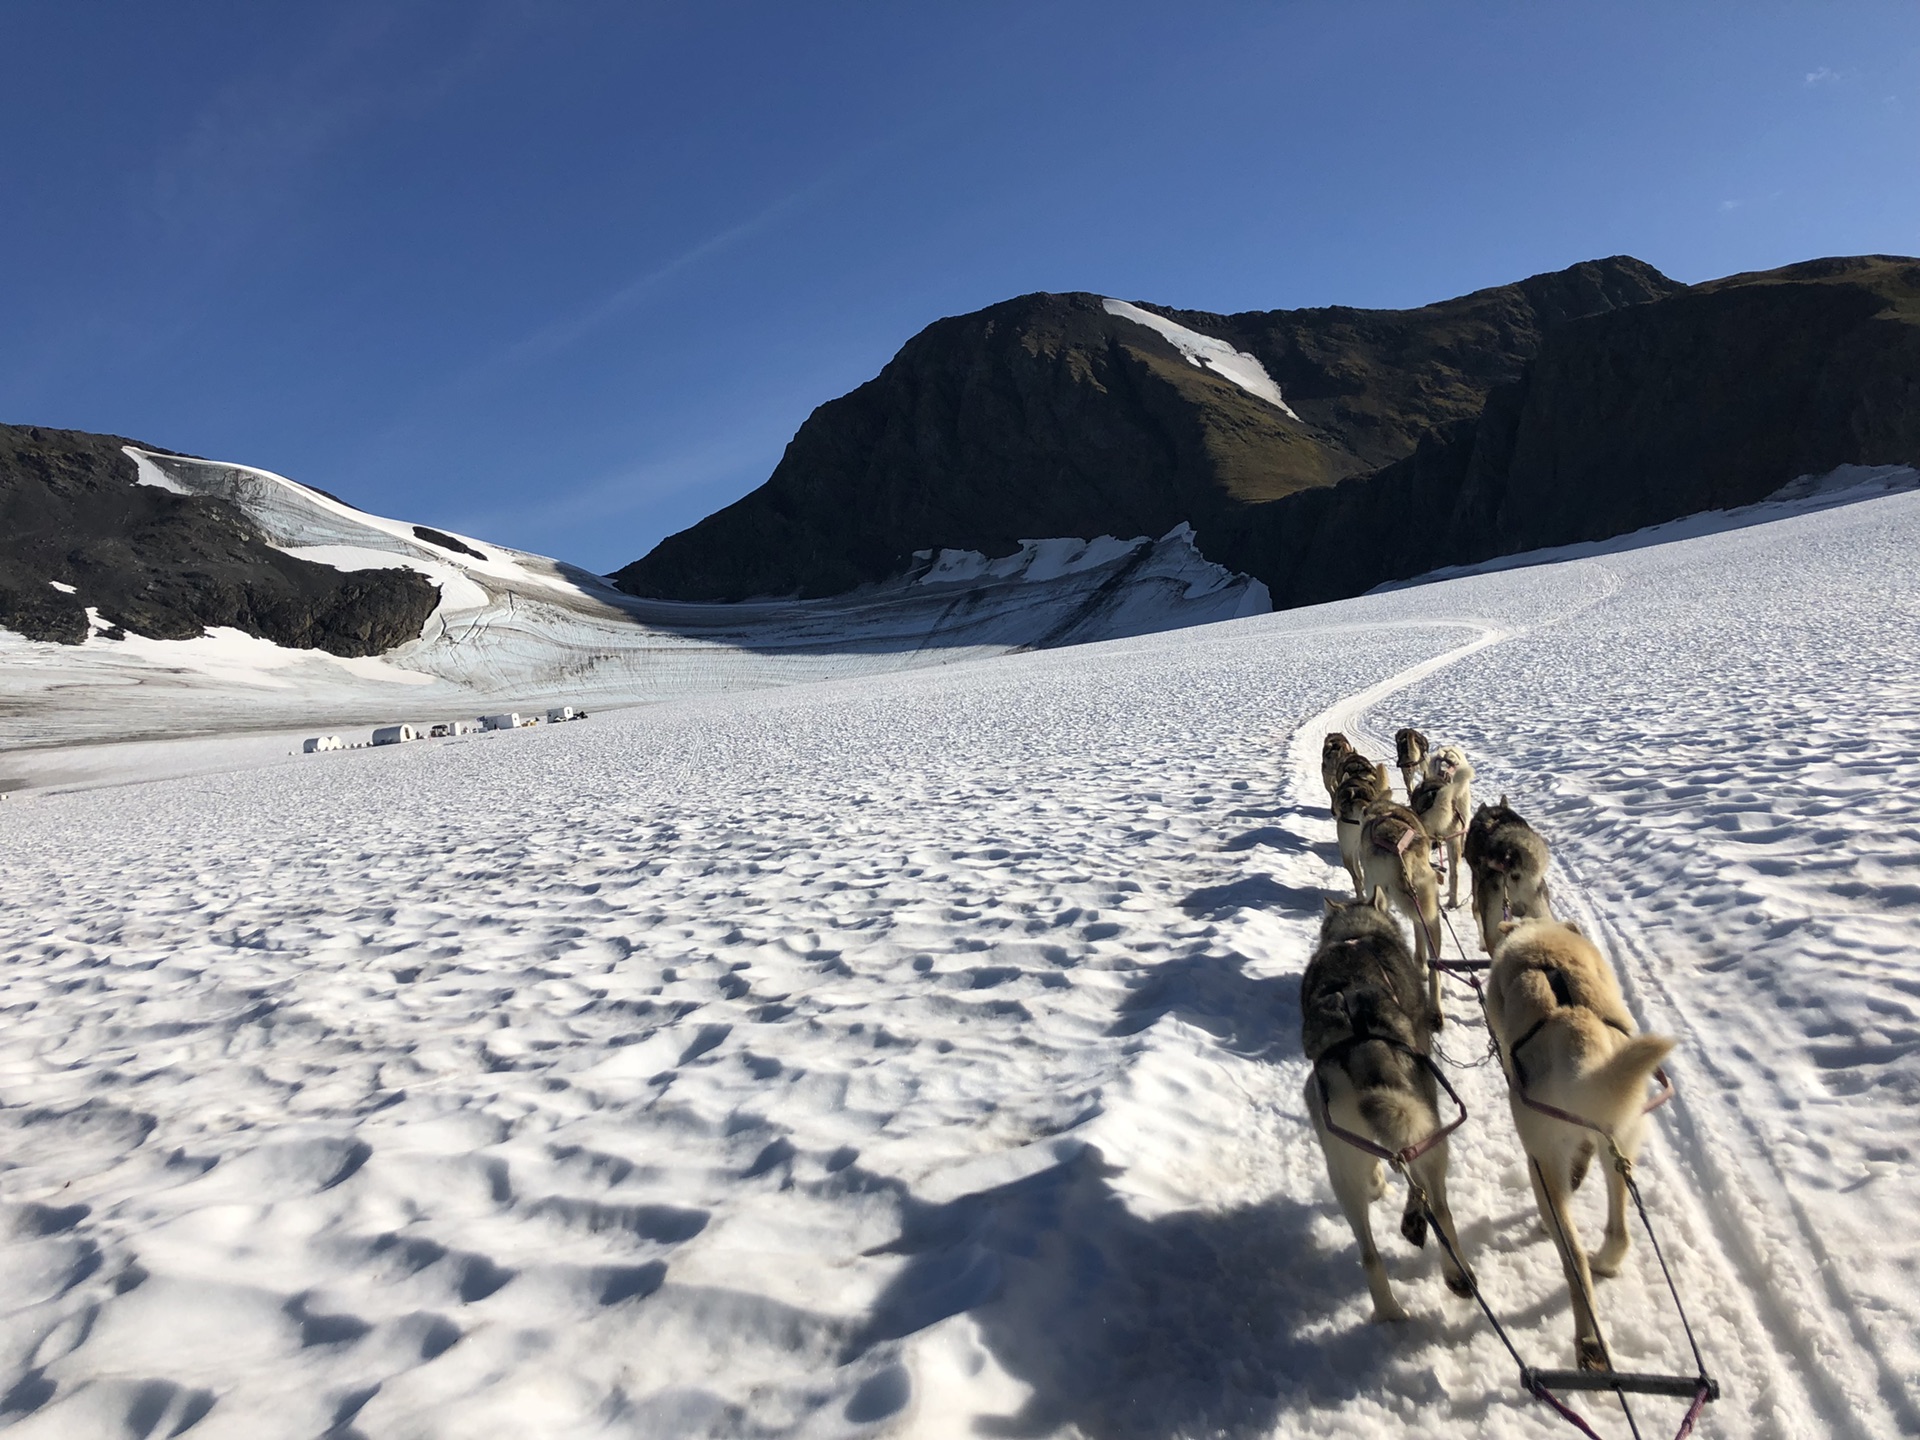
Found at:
[1540, 1383]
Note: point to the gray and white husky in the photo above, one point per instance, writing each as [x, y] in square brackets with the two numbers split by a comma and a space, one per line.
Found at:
[1444, 802]
[1364, 1026]
[1568, 1041]
[1396, 859]
[1334, 751]
[1508, 859]
[1361, 784]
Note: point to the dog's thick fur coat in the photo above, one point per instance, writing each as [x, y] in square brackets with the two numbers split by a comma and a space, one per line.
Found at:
[1444, 802]
[1508, 859]
[1362, 1027]
[1568, 1041]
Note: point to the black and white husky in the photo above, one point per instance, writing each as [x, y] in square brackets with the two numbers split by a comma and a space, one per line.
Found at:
[1508, 859]
[1365, 1025]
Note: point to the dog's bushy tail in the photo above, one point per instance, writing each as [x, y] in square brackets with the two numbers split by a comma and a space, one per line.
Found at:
[1397, 1117]
[1621, 1080]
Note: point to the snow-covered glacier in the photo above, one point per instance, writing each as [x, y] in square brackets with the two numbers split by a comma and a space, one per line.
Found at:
[917, 1054]
[515, 628]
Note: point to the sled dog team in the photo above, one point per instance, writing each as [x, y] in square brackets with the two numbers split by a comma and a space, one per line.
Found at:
[1370, 1008]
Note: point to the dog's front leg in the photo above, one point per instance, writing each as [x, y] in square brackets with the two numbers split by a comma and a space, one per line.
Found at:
[1453, 874]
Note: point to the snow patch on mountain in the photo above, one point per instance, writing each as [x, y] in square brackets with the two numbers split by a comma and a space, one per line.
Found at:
[1208, 353]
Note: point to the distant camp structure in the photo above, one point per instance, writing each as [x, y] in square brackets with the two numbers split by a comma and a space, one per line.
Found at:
[403, 734]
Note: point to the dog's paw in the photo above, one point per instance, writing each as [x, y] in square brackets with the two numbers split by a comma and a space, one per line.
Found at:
[1590, 1354]
[1460, 1284]
[1413, 1225]
[1607, 1260]
[1389, 1313]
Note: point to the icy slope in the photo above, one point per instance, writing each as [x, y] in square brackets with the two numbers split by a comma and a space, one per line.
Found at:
[519, 629]
[919, 1055]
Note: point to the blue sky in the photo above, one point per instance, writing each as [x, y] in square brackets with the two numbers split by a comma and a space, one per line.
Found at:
[568, 275]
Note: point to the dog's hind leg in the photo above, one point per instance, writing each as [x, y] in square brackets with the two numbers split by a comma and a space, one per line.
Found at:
[1429, 1172]
[1357, 1182]
[1613, 1250]
[1485, 913]
[1551, 1194]
[1426, 944]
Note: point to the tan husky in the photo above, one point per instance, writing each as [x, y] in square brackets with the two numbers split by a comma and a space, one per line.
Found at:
[1396, 857]
[1444, 803]
[1568, 1041]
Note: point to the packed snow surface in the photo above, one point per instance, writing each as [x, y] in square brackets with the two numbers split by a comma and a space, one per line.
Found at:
[1208, 353]
[918, 1054]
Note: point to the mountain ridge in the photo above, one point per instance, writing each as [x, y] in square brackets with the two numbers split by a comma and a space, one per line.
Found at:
[1573, 405]
[1047, 415]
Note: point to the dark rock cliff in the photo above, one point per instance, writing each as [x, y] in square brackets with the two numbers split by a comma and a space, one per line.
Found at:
[1711, 398]
[166, 565]
[1046, 416]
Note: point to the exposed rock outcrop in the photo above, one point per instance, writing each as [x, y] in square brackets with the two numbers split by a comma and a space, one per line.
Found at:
[1712, 398]
[77, 530]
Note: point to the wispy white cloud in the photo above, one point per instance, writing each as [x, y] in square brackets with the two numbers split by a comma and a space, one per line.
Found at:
[556, 335]
[1822, 76]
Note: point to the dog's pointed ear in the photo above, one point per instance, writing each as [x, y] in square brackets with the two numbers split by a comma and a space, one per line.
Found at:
[1574, 926]
[1380, 898]
[1503, 800]
[1333, 907]
[1507, 927]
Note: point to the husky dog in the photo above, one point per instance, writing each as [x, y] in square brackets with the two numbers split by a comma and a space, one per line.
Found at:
[1333, 752]
[1444, 802]
[1363, 1027]
[1396, 859]
[1360, 785]
[1508, 858]
[1410, 750]
[1567, 1040]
